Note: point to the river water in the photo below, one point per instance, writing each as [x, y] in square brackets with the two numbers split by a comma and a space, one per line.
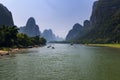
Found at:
[65, 62]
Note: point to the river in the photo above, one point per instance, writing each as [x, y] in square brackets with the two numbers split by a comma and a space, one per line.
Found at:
[65, 62]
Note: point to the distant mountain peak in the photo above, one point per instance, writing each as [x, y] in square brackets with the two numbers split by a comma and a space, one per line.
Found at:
[50, 36]
[74, 32]
[31, 28]
[77, 26]
[30, 22]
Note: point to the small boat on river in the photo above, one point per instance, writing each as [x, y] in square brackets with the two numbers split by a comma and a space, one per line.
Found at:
[53, 47]
[49, 46]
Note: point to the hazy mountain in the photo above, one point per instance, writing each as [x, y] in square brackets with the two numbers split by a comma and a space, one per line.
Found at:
[48, 35]
[31, 28]
[76, 31]
[59, 38]
[5, 16]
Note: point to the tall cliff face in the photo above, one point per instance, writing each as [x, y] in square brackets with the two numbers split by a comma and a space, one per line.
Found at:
[93, 17]
[5, 16]
[104, 24]
[49, 35]
[105, 20]
[103, 10]
[31, 29]
[75, 32]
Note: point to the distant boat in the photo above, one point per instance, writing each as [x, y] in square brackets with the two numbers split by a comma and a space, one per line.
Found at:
[71, 44]
[30, 47]
[53, 47]
[49, 46]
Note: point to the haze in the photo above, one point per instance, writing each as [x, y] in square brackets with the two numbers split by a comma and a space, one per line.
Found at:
[58, 15]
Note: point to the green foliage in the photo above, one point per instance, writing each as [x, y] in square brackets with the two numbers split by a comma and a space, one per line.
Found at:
[9, 37]
[42, 41]
[25, 41]
[38, 41]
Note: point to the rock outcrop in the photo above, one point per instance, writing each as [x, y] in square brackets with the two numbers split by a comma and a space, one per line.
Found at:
[31, 29]
[5, 16]
[86, 24]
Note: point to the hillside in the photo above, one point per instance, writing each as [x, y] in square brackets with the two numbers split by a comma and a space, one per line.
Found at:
[104, 23]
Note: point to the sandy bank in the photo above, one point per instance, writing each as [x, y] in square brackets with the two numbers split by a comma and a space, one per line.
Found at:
[11, 51]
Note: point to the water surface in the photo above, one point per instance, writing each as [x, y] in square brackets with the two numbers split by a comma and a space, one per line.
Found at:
[65, 62]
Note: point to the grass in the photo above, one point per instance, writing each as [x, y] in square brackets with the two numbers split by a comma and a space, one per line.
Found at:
[4, 49]
[105, 45]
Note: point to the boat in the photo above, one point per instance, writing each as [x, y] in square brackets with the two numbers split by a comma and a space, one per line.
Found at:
[71, 44]
[53, 47]
[49, 46]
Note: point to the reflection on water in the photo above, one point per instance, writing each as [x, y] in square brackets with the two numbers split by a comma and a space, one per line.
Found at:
[65, 62]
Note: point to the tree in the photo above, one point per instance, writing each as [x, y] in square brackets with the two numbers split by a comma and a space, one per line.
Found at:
[23, 40]
[8, 36]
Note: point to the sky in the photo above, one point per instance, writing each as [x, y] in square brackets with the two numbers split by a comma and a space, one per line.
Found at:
[58, 15]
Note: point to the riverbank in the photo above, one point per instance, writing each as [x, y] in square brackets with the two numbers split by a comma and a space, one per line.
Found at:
[105, 45]
[11, 51]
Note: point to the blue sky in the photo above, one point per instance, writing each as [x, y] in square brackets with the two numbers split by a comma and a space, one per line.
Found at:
[59, 15]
